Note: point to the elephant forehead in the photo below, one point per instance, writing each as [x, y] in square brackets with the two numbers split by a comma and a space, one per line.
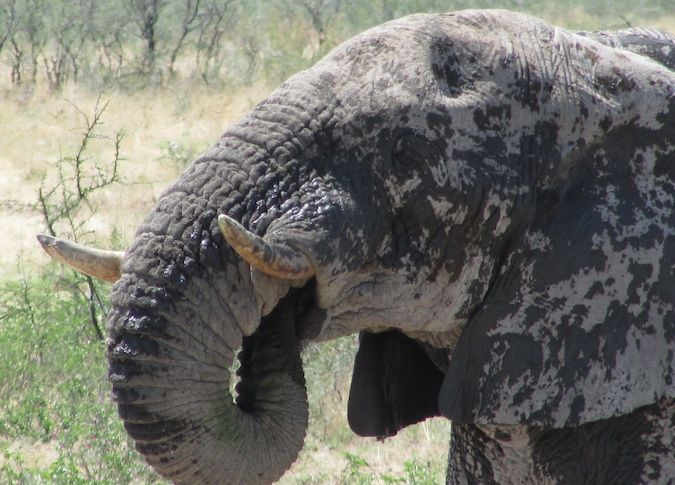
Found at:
[488, 69]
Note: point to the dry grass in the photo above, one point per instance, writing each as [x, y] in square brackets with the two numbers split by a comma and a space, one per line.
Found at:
[666, 22]
[35, 132]
[35, 453]
[426, 443]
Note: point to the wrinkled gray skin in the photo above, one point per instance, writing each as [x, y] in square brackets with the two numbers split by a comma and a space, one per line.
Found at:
[488, 199]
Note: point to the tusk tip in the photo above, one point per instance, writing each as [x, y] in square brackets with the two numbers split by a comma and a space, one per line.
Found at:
[228, 225]
[235, 234]
[48, 243]
[45, 240]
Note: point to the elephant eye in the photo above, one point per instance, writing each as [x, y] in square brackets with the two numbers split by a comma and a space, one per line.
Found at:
[414, 155]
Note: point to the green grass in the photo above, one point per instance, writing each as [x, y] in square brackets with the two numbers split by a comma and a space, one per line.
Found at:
[57, 423]
[358, 472]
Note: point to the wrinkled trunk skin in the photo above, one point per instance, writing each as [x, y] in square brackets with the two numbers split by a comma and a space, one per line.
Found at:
[171, 383]
[185, 304]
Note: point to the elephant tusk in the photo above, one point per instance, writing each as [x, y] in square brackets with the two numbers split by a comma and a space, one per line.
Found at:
[274, 259]
[101, 264]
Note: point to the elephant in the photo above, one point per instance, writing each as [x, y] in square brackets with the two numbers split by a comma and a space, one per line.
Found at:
[486, 199]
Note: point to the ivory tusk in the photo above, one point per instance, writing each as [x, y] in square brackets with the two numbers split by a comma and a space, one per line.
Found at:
[101, 264]
[274, 259]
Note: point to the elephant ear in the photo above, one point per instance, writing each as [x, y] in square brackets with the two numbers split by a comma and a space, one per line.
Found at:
[579, 322]
[394, 384]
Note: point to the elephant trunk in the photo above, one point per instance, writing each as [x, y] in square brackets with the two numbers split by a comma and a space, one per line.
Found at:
[172, 344]
[187, 303]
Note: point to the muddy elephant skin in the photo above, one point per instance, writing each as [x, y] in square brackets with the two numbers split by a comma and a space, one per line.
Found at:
[487, 199]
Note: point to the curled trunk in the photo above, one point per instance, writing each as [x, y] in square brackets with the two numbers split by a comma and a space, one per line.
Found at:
[169, 365]
[186, 304]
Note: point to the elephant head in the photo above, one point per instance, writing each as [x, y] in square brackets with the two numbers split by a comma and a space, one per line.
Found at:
[486, 198]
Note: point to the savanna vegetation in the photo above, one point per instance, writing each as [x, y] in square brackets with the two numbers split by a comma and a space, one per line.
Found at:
[102, 104]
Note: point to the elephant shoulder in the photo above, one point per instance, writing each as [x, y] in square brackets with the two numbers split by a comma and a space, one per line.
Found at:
[652, 43]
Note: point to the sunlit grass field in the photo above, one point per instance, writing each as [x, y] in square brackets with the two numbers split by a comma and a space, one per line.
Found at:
[57, 423]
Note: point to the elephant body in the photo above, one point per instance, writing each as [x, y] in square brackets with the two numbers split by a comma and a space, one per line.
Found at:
[487, 199]
[632, 448]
